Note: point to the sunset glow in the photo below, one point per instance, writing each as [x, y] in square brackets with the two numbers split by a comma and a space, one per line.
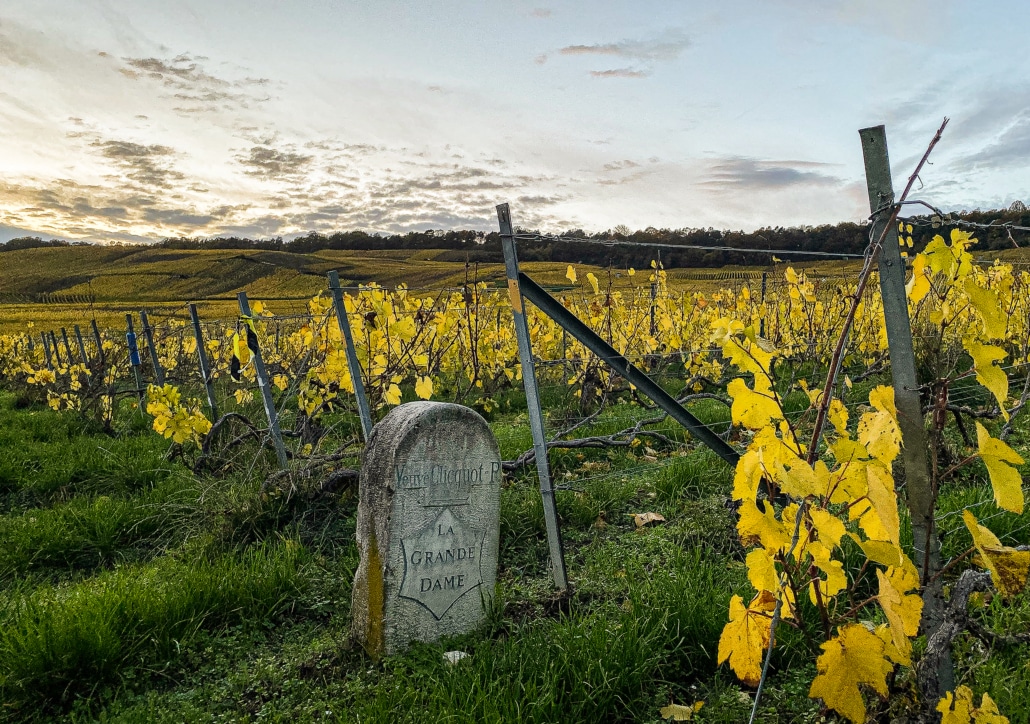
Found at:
[141, 120]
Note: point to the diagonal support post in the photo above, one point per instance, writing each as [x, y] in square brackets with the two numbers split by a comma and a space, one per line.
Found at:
[633, 374]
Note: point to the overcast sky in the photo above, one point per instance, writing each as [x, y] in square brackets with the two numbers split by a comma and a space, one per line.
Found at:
[144, 119]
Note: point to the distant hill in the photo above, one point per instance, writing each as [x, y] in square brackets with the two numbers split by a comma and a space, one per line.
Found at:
[619, 247]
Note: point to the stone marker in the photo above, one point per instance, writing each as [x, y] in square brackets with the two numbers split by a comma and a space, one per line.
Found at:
[429, 495]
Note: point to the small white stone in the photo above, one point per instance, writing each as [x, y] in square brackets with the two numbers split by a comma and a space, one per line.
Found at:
[453, 657]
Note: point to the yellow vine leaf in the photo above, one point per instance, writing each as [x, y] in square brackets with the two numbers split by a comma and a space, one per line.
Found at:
[877, 513]
[985, 302]
[755, 358]
[392, 395]
[831, 528]
[1005, 479]
[883, 632]
[404, 328]
[878, 431]
[593, 282]
[901, 606]
[761, 571]
[835, 581]
[745, 637]
[854, 656]
[747, 476]
[679, 712]
[919, 285]
[957, 708]
[797, 478]
[987, 373]
[424, 387]
[849, 482]
[762, 527]
[882, 398]
[751, 409]
[878, 551]
[1008, 567]
[904, 579]
[838, 416]
[570, 274]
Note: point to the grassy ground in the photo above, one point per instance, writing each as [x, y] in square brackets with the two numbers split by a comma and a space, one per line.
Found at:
[132, 590]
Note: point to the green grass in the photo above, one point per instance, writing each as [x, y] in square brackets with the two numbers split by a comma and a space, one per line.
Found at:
[132, 590]
[90, 532]
[50, 457]
[57, 643]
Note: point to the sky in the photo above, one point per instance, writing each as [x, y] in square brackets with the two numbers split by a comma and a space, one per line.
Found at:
[138, 120]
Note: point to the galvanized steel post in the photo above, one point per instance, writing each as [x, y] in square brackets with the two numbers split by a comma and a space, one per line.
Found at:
[205, 371]
[266, 391]
[353, 365]
[134, 361]
[148, 333]
[536, 417]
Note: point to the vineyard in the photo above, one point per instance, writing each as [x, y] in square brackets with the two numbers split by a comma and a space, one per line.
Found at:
[178, 495]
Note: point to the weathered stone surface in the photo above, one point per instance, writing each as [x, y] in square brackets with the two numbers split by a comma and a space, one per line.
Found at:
[427, 526]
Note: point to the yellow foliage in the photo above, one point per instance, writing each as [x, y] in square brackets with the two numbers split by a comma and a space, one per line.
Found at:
[1005, 479]
[1008, 567]
[987, 373]
[752, 409]
[679, 712]
[878, 431]
[987, 306]
[854, 656]
[762, 527]
[957, 708]
[745, 637]
[424, 388]
[902, 608]
[593, 282]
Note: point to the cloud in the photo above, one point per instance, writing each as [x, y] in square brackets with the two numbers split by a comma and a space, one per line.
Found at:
[743, 174]
[146, 165]
[194, 88]
[1010, 149]
[665, 47]
[619, 73]
[13, 232]
[25, 47]
[621, 165]
[645, 53]
[540, 12]
[272, 163]
[68, 209]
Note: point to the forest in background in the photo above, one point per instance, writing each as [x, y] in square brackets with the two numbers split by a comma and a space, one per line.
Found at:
[478, 246]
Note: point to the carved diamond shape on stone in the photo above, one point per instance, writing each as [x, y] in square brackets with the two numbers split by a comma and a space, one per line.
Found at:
[441, 563]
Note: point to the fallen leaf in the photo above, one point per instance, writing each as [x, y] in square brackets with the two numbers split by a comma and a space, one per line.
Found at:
[642, 519]
[678, 712]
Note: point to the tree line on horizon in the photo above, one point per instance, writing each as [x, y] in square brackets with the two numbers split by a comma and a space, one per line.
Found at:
[699, 247]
